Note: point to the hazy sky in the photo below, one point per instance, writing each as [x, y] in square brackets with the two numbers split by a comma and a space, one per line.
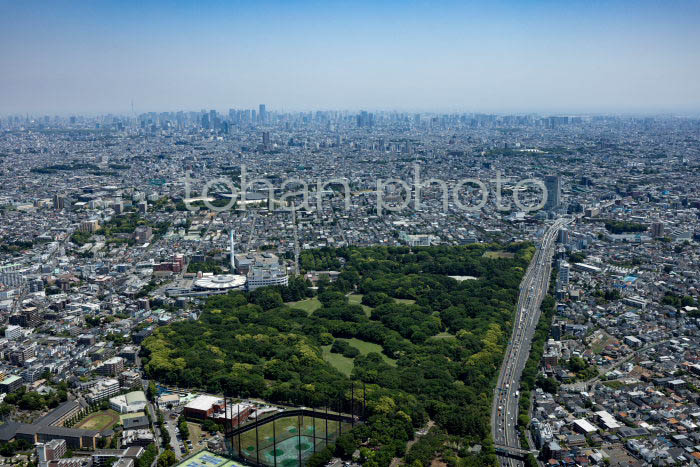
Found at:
[498, 56]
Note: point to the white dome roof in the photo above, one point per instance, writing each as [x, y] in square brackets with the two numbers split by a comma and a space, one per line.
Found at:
[224, 281]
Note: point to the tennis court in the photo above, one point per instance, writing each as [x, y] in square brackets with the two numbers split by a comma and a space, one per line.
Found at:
[208, 459]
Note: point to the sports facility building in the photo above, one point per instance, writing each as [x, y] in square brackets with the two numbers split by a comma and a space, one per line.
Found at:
[219, 283]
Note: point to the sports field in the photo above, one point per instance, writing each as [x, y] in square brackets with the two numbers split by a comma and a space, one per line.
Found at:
[288, 452]
[289, 442]
[99, 420]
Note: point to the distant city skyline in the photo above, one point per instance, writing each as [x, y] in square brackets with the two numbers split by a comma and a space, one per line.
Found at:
[223, 112]
[623, 57]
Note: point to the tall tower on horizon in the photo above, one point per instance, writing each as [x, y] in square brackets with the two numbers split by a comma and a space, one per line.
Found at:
[233, 253]
[553, 185]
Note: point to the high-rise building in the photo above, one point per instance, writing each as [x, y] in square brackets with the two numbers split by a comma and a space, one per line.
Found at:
[262, 114]
[553, 185]
[22, 353]
[111, 367]
[90, 226]
[13, 331]
[268, 275]
[103, 390]
[59, 202]
[233, 250]
[143, 234]
[564, 271]
[50, 451]
[28, 318]
[365, 119]
[563, 236]
[657, 229]
[266, 139]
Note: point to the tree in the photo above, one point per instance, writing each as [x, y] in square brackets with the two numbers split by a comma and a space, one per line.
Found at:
[7, 450]
[183, 427]
[549, 385]
[373, 299]
[345, 445]
[165, 435]
[5, 410]
[523, 420]
[148, 456]
[151, 392]
[343, 347]
[258, 347]
[211, 426]
[166, 459]
[267, 297]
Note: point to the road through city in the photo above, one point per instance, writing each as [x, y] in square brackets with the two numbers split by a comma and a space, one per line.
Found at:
[504, 414]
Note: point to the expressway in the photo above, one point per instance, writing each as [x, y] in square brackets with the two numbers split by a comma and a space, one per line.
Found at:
[504, 414]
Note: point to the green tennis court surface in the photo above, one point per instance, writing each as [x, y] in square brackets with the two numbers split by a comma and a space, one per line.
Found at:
[208, 459]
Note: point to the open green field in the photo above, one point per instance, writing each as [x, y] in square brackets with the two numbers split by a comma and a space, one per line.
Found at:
[443, 335]
[195, 432]
[99, 420]
[406, 301]
[367, 347]
[345, 364]
[340, 362]
[309, 305]
[498, 254]
[356, 299]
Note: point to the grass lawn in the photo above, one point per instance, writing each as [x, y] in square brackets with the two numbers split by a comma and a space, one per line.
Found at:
[195, 432]
[356, 299]
[443, 335]
[405, 300]
[498, 254]
[366, 347]
[338, 361]
[99, 420]
[309, 305]
[345, 364]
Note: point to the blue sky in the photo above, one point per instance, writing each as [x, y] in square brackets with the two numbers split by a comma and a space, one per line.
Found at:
[508, 56]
